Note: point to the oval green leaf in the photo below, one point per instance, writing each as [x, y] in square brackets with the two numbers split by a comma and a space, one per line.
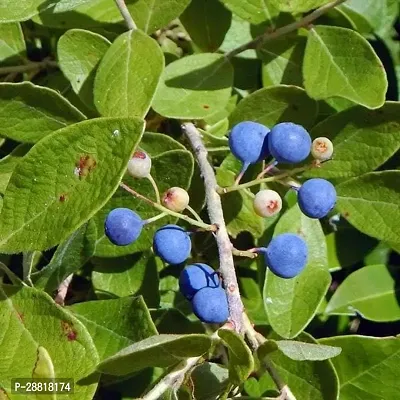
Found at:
[128, 75]
[302, 351]
[363, 140]
[194, 87]
[271, 105]
[19, 10]
[327, 73]
[29, 112]
[155, 351]
[254, 11]
[371, 292]
[43, 340]
[12, 44]
[64, 180]
[371, 203]
[79, 53]
[292, 303]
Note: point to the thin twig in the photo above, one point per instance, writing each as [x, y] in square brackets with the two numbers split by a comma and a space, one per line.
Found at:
[214, 207]
[163, 209]
[155, 187]
[32, 66]
[123, 9]
[63, 289]
[284, 30]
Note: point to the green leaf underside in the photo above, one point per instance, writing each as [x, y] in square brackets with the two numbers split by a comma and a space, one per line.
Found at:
[363, 140]
[298, 6]
[43, 340]
[79, 53]
[292, 303]
[241, 362]
[301, 351]
[281, 103]
[372, 197]
[371, 292]
[29, 112]
[53, 186]
[128, 75]
[156, 351]
[172, 165]
[308, 380]
[110, 323]
[366, 366]
[338, 62]
[194, 87]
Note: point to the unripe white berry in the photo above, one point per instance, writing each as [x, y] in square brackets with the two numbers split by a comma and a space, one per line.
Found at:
[267, 203]
[139, 165]
[175, 199]
[322, 149]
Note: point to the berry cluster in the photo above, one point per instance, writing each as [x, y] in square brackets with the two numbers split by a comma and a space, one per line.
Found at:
[286, 255]
[285, 143]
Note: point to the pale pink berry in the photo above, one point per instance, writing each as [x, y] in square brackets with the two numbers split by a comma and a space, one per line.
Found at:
[267, 203]
[175, 199]
[139, 165]
[322, 149]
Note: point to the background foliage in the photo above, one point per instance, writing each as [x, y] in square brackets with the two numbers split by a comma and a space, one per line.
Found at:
[79, 93]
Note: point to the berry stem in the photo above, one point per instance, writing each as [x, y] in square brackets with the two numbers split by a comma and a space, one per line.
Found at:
[194, 213]
[268, 168]
[241, 173]
[123, 9]
[163, 209]
[155, 187]
[215, 212]
[244, 253]
[275, 178]
[284, 30]
[155, 218]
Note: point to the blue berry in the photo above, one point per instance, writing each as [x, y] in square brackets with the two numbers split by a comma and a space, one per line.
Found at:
[123, 226]
[316, 197]
[286, 255]
[210, 305]
[248, 142]
[195, 277]
[172, 244]
[289, 143]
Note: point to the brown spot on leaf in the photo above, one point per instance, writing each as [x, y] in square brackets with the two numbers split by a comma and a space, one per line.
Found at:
[63, 197]
[68, 331]
[85, 165]
[346, 214]
[206, 106]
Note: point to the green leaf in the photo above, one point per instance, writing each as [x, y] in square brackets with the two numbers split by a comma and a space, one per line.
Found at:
[252, 299]
[125, 276]
[65, 5]
[29, 112]
[369, 15]
[209, 381]
[283, 60]
[128, 75]
[308, 380]
[302, 351]
[371, 292]
[298, 6]
[366, 365]
[207, 22]
[43, 340]
[372, 197]
[194, 87]
[241, 362]
[9, 162]
[340, 254]
[335, 75]
[20, 10]
[110, 323]
[362, 139]
[64, 180]
[156, 351]
[254, 11]
[172, 168]
[292, 303]
[79, 53]
[271, 105]
[67, 259]
[12, 45]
